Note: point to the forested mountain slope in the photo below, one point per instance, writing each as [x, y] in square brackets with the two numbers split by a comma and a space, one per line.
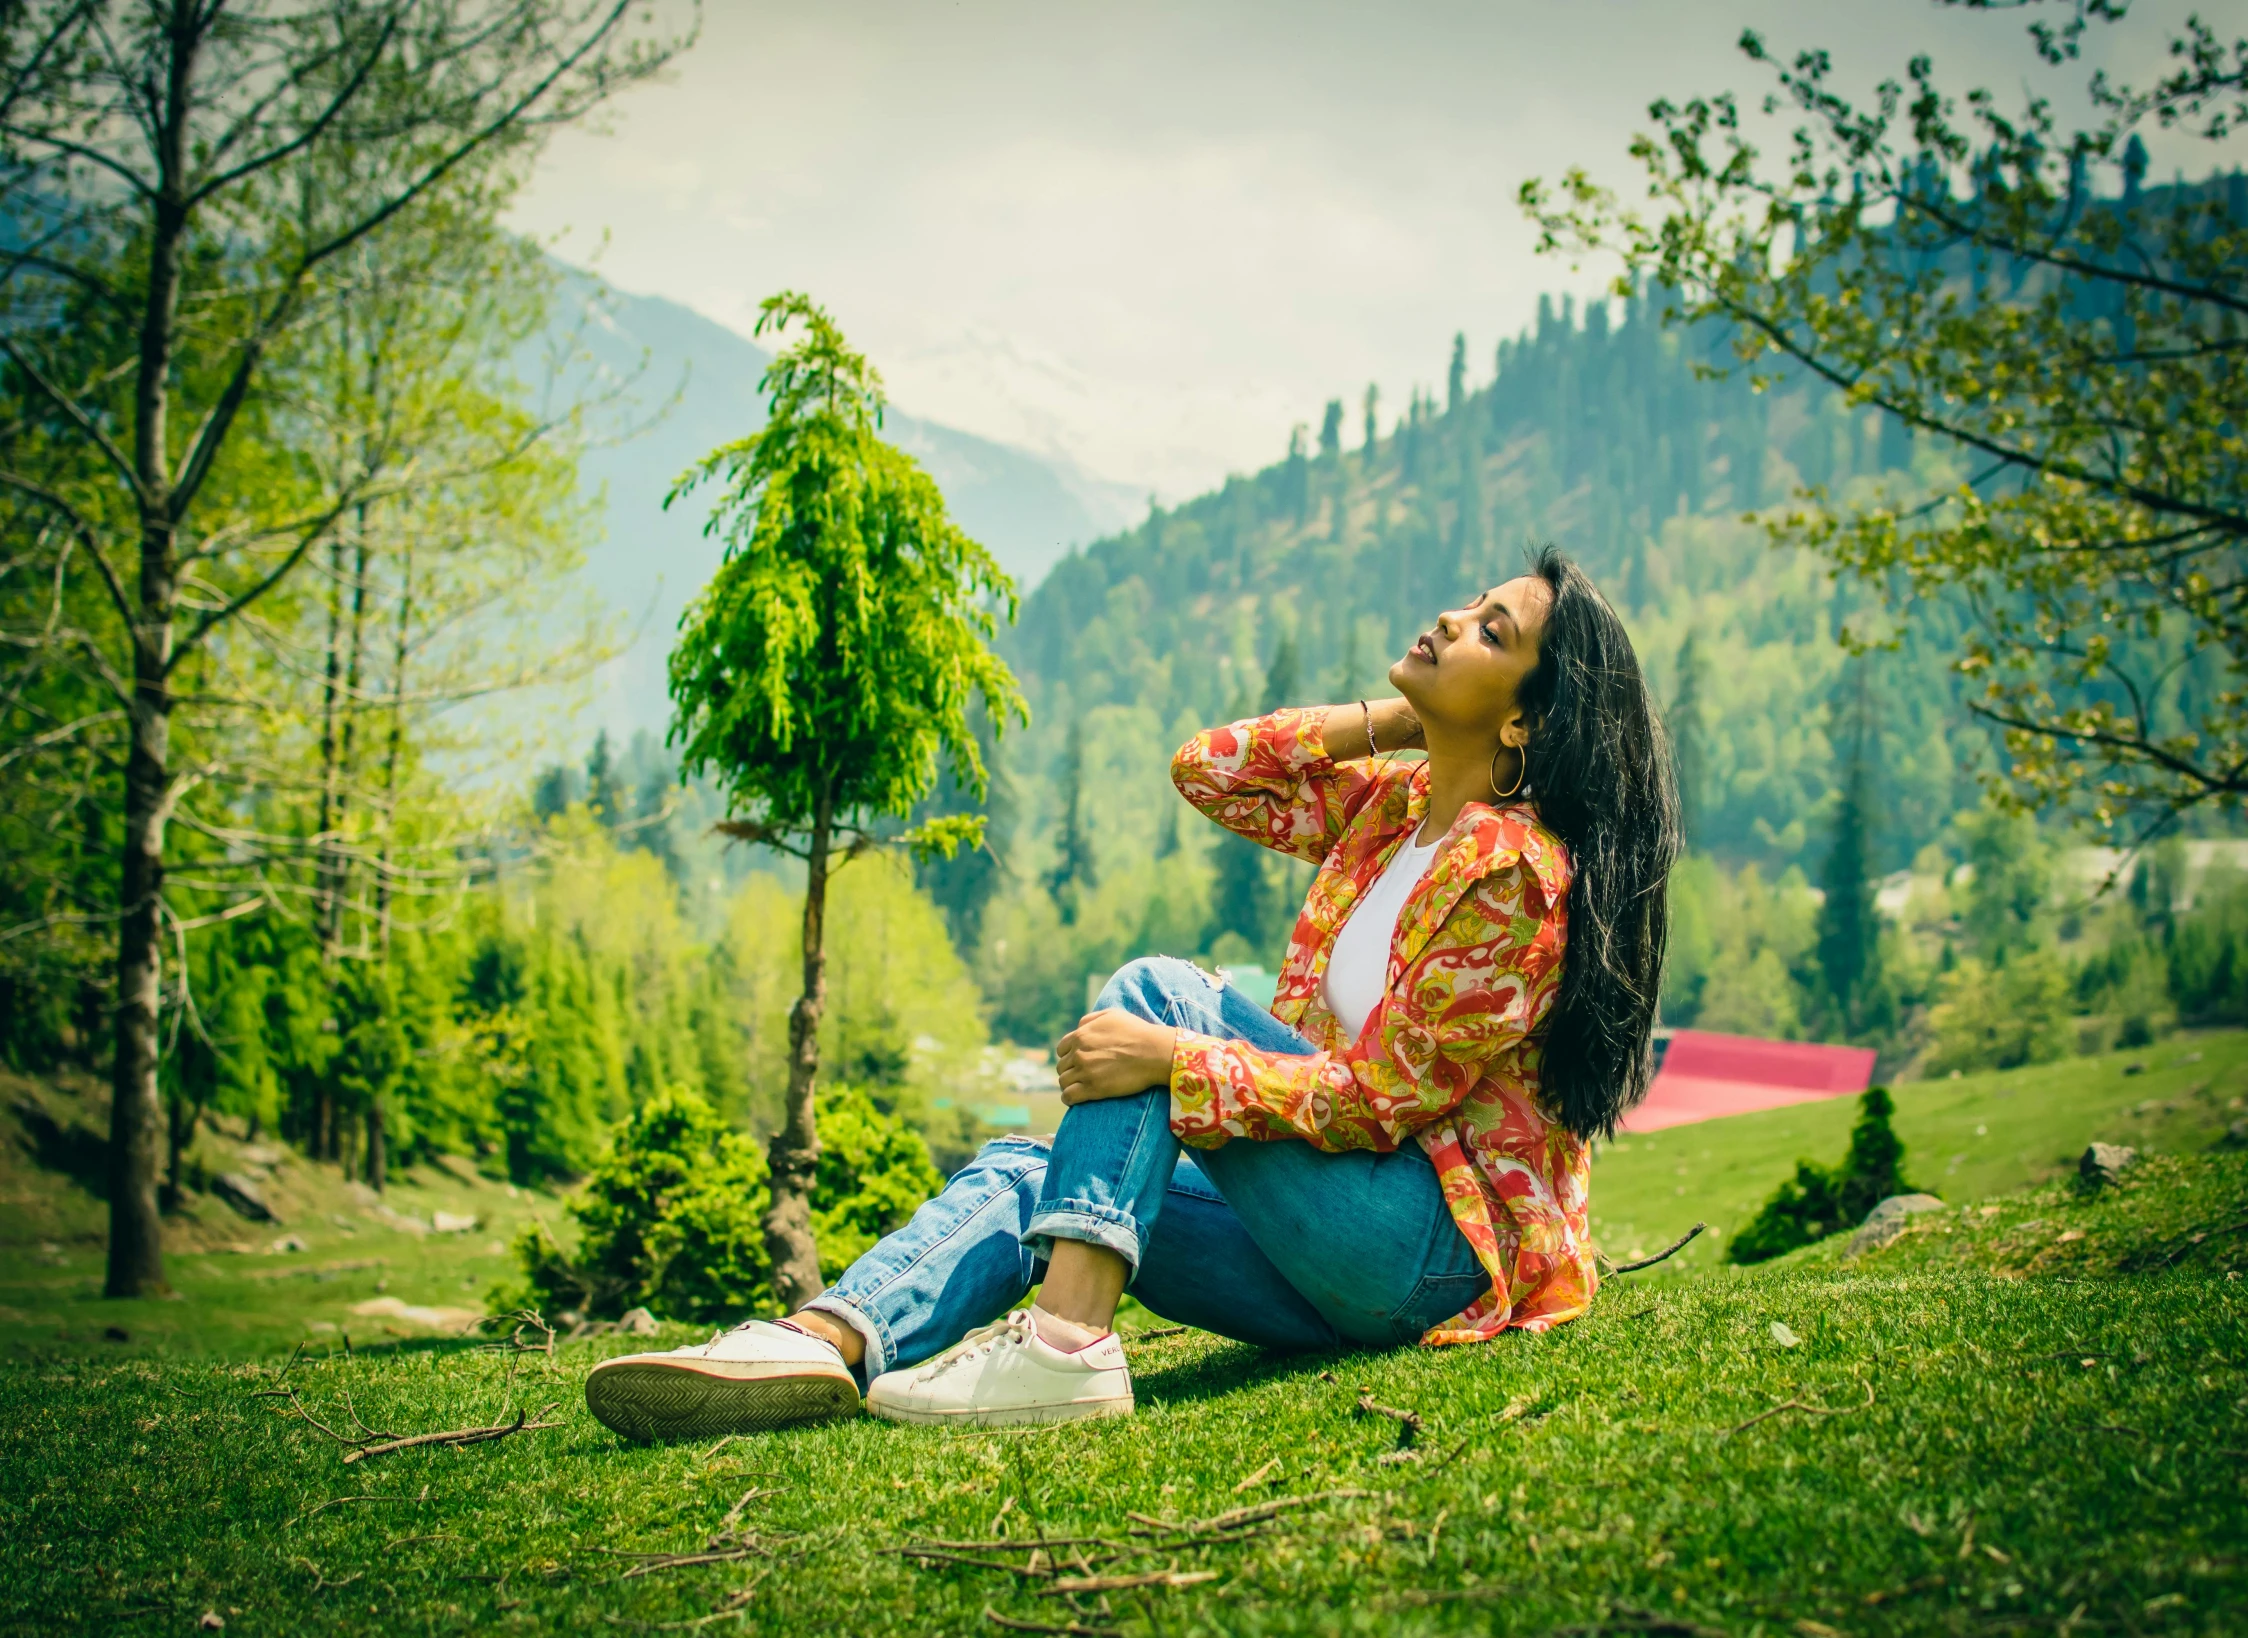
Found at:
[1307, 579]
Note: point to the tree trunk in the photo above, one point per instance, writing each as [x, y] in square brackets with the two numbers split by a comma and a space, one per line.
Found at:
[328, 893]
[793, 1156]
[378, 1159]
[397, 743]
[136, 1108]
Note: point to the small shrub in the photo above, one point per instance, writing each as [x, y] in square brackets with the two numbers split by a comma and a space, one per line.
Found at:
[1818, 1200]
[874, 1170]
[670, 1218]
[2001, 1017]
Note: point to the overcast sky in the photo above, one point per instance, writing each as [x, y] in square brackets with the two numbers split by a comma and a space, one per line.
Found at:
[1152, 237]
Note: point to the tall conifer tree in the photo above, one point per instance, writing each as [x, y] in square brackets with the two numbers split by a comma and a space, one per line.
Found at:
[1849, 926]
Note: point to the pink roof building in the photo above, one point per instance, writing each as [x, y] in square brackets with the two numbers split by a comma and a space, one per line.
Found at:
[1705, 1076]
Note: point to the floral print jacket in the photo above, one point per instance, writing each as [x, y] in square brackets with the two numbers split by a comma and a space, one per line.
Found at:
[1449, 1057]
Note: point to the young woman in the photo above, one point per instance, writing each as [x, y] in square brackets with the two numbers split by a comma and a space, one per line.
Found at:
[1396, 1152]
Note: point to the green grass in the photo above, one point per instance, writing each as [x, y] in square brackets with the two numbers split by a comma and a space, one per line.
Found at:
[2034, 1422]
[1966, 1140]
[2019, 1436]
[232, 1295]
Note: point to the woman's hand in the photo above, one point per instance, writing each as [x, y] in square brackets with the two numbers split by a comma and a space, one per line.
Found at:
[1112, 1054]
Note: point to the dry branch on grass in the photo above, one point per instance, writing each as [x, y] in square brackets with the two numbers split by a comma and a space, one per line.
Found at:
[1409, 1426]
[371, 1443]
[458, 1437]
[1101, 1563]
[1669, 1251]
[1126, 1583]
[1798, 1405]
[1066, 1629]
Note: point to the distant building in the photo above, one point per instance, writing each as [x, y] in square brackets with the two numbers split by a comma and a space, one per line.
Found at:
[1702, 1075]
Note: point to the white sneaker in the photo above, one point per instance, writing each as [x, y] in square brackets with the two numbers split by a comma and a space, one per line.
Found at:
[758, 1375]
[1007, 1373]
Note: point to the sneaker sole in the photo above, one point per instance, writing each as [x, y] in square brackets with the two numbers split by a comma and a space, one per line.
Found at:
[652, 1402]
[1011, 1416]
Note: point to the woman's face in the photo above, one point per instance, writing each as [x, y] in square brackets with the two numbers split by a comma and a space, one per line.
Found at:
[1462, 675]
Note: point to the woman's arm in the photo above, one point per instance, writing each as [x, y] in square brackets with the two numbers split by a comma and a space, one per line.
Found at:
[1281, 781]
[1479, 987]
[1343, 728]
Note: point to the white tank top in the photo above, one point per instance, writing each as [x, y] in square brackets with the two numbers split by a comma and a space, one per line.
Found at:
[1358, 965]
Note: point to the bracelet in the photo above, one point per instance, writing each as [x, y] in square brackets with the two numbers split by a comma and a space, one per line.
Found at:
[1368, 712]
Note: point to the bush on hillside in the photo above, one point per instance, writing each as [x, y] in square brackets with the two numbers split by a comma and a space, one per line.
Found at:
[874, 1170]
[1819, 1200]
[2001, 1017]
[669, 1219]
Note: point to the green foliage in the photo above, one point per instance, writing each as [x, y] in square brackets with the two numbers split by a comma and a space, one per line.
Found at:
[667, 1221]
[874, 1171]
[2012, 291]
[2000, 1016]
[1821, 1200]
[837, 651]
[671, 1217]
[1849, 928]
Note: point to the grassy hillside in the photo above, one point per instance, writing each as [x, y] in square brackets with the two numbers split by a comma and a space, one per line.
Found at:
[1903, 1445]
[1965, 1139]
[241, 1288]
[238, 1297]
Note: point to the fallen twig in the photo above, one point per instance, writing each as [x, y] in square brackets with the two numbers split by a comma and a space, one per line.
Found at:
[458, 1437]
[735, 1603]
[734, 1513]
[2141, 1261]
[1005, 1544]
[320, 1581]
[1441, 1463]
[1068, 1629]
[1243, 1516]
[1125, 1583]
[1671, 1250]
[650, 1563]
[1159, 1331]
[1927, 1583]
[339, 1501]
[1409, 1422]
[1253, 1480]
[1798, 1405]
[1033, 1571]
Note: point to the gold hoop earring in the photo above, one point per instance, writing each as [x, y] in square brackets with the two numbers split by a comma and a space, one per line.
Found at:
[1521, 773]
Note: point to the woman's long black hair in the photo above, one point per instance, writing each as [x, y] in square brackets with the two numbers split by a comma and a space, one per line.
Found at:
[1599, 771]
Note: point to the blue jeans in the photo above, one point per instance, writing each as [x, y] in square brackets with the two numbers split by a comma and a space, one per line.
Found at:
[1272, 1243]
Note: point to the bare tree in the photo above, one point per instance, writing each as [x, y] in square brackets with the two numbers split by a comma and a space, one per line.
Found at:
[162, 165]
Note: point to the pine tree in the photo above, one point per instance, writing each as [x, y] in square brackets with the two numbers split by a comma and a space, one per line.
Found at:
[1331, 432]
[609, 803]
[1455, 379]
[1075, 872]
[1295, 476]
[832, 662]
[1849, 927]
[1373, 423]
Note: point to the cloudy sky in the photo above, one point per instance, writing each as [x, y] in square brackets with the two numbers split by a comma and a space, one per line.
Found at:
[1152, 237]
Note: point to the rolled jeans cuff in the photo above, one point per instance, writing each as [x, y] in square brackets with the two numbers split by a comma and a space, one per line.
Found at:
[1088, 1221]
